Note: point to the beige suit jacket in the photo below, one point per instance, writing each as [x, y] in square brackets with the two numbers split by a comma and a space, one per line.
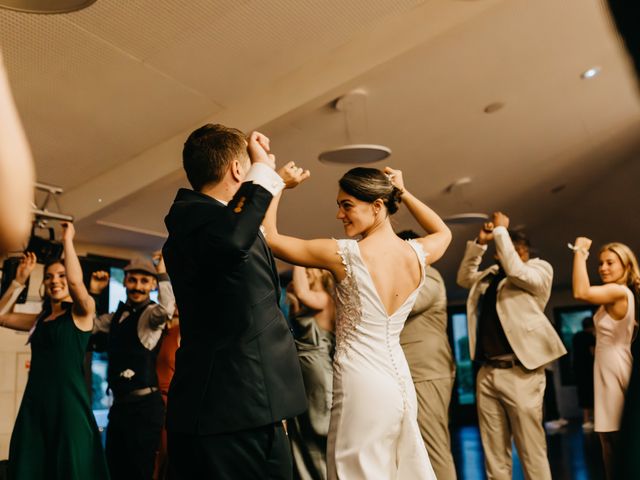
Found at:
[521, 299]
[424, 336]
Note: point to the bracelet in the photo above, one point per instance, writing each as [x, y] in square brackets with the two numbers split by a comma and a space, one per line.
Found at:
[579, 249]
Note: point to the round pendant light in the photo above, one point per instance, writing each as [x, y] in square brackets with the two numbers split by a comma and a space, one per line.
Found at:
[353, 106]
[466, 218]
[45, 6]
[354, 154]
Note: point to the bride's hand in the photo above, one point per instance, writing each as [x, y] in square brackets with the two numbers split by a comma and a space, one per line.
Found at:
[292, 175]
[395, 176]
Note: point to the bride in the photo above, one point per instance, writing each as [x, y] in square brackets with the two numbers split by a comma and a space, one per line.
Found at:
[373, 431]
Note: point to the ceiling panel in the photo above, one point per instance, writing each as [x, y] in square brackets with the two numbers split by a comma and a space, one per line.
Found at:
[87, 105]
[257, 42]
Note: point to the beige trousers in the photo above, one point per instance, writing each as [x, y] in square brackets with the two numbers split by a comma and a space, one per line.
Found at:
[434, 397]
[510, 406]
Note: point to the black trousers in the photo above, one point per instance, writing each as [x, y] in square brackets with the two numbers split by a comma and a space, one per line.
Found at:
[258, 453]
[133, 437]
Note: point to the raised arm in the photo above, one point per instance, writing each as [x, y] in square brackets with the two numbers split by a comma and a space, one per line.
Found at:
[319, 253]
[16, 173]
[166, 297]
[17, 321]
[84, 307]
[26, 266]
[439, 235]
[582, 289]
[316, 300]
[535, 278]
[468, 271]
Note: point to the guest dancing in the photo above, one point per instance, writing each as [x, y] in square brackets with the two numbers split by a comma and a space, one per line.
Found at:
[512, 339]
[55, 435]
[426, 345]
[373, 430]
[583, 347]
[615, 322]
[313, 316]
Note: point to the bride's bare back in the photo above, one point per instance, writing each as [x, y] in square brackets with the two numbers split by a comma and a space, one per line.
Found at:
[394, 269]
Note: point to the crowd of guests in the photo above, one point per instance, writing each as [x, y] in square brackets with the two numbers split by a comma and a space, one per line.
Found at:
[510, 338]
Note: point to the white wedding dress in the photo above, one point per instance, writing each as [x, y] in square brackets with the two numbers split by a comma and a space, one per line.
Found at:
[373, 433]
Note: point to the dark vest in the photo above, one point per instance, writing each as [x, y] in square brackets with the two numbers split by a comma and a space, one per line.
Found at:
[126, 352]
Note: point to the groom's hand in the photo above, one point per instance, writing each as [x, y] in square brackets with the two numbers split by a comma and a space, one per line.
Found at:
[258, 149]
[292, 175]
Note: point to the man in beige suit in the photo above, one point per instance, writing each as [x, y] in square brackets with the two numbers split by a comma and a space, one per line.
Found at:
[426, 346]
[513, 340]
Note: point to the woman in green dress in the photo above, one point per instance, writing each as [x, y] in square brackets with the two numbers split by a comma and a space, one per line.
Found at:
[55, 435]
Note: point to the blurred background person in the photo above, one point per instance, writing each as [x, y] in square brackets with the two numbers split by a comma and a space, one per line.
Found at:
[17, 174]
[134, 333]
[584, 344]
[312, 314]
[55, 435]
[553, 421]
[165, 367]
[614, 323]
[425, 343]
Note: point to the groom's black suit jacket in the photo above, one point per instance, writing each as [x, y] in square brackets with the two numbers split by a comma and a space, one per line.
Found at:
[236, 367]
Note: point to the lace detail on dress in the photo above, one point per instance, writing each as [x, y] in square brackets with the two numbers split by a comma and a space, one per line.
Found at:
[348, 303]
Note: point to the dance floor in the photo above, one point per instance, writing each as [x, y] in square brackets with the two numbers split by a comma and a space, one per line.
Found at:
[573, 455]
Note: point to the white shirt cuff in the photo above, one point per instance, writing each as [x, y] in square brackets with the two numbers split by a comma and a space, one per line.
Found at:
[266, 177]
[500, 230]
[479, 246]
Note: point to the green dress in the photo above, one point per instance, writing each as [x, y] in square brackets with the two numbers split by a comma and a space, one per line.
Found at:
[55, 435]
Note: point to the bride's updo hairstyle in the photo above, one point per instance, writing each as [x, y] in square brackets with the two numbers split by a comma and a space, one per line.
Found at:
[370, 184]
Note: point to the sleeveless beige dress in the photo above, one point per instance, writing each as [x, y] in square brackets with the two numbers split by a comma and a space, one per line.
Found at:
[612, 366]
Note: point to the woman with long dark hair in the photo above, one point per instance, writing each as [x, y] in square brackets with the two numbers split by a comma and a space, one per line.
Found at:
[373, 431]
[55, 435]
[615, 322]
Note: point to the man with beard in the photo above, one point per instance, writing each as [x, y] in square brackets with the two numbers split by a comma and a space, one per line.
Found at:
[134, 332]
[512, 340]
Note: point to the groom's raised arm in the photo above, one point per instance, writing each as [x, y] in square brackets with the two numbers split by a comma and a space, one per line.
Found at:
[236, 229]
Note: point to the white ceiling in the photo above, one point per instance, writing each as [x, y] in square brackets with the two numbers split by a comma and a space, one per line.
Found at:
[109, 94]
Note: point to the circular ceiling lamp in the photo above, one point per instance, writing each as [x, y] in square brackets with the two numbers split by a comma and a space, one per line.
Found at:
[465, 218]
[45, 6]
[357, 153]
[354, 107]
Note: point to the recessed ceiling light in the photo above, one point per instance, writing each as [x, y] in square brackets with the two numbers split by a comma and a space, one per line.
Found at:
[493, 107]
[592, 72]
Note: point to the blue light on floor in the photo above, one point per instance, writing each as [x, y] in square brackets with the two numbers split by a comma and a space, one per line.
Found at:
[573, 455]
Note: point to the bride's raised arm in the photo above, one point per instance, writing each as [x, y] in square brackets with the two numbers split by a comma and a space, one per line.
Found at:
[436, 242]
[319, 253]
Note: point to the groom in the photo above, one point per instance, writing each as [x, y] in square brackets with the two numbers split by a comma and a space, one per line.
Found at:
[237, 374]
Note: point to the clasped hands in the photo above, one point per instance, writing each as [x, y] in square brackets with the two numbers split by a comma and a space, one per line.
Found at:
[258, 149]
[498, 219]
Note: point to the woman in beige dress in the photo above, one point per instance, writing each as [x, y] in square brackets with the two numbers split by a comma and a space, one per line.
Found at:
[615, 323]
